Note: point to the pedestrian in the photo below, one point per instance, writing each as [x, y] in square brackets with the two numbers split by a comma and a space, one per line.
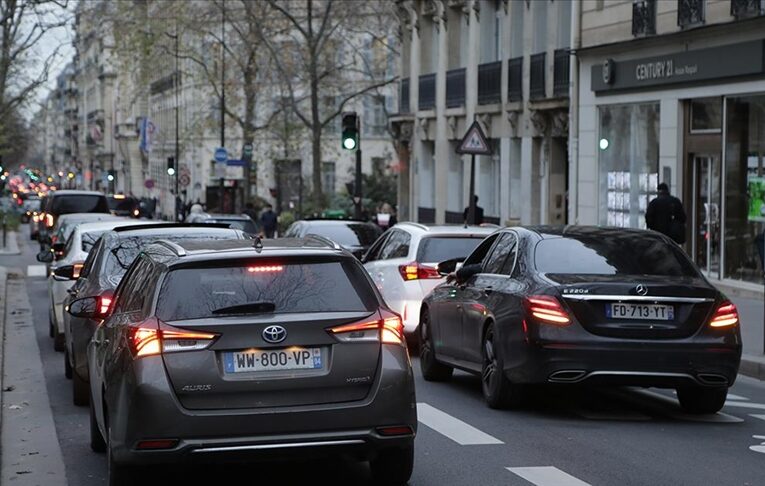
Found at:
[249, 210]
[385, 217]
[477, 217]
[268, 221]
[666, 215]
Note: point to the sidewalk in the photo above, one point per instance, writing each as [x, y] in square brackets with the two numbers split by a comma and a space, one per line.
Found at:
[11, 244]
[752, 316]
[30, 454]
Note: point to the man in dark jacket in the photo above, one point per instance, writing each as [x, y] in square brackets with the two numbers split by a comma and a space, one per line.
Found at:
[268, 221]
[665, 214]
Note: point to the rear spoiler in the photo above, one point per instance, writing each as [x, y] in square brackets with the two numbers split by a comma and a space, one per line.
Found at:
[133, 227]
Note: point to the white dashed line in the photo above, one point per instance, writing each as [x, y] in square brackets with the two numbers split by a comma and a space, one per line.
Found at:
[719, 417]
[546, 476]
[757, 415]
[36, 271]
[732, 396]
[453, 428]
[758, 406]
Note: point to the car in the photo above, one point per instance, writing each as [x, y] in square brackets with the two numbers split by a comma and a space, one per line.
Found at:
[122, 205]
[70, 256]
[66, 224]
[582, 305]
[354, 236]
[402, 263]
[102, 272]
[31, 206]
[237, 221]
[246, 349]
[66, 202]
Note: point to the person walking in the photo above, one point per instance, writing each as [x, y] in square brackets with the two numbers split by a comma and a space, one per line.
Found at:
[268, 221]
[666, 215]
[477, 217]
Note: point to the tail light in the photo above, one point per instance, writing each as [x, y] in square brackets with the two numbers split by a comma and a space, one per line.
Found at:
[136, 213]
[104, 303]
[77, 269]
[547, 310]
[387, 328]
[153, 337]
[417, 271]
[35, 217]
[726, 315]
[49, 220]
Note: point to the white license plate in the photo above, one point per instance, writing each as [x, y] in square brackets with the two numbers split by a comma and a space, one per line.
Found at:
[293, 358]
[654, 312]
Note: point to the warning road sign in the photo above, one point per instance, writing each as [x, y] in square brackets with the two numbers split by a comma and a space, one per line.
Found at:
[474, 142]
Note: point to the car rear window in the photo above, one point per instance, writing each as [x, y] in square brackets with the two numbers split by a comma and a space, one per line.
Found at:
[240, 224]
[350, 234]
[79, 204]
[90, 238]
[630, 254]
[122, 204]
[438, 249]
[194, 293]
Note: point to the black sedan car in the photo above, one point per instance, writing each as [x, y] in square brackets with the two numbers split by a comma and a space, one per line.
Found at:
[354, 236]
[577, 304]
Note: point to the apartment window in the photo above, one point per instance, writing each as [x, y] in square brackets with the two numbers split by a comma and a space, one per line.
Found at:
[690, 13]
[517, 11]
[376, 121]
[328, 177]
[564, 24]
[643, 17]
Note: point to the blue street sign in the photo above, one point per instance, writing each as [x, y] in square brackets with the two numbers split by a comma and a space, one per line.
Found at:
[236, 163]
[221, 155]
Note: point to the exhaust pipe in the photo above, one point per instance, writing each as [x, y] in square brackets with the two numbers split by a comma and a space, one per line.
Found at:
[566, 376]
[713, 379]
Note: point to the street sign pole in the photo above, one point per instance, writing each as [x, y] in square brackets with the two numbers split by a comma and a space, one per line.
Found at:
[357, 185]
[474, 143]
[471, 210]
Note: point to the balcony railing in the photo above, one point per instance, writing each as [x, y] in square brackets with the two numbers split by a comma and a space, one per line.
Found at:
[742, 9]
[690, 13]
[537, 76]
[427, 97]
[643, 17]
[515, 79]
[490, 83]
[454, 217]
[561, 72]
[455, 88]
[426, 215]
[403, 96]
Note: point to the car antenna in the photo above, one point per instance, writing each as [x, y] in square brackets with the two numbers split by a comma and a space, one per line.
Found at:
[258, 244]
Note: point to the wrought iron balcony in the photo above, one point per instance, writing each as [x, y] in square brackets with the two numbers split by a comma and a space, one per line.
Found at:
[537, 76]
[490, 83]
[455, 88]
[561, 72]
[690, 13]
[403, 96]
[515, 79]
[427, 96]
[742, 9]
[643, 17]
[426, 215]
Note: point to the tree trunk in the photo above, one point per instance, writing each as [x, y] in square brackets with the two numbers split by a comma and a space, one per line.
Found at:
[318, 197]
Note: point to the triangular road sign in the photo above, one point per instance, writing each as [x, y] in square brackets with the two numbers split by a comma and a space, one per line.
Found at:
[474, 142]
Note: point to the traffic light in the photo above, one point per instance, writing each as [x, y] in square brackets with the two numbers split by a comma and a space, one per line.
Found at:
[110, 175]
[350, 133]
[70, 175]
[171, 166]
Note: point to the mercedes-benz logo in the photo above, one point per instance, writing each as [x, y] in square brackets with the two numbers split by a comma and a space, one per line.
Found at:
[641, 289]
[274, 334]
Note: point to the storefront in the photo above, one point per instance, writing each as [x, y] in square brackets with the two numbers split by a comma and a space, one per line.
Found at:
[689, 114]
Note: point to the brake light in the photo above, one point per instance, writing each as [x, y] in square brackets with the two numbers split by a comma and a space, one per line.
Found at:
[726, 315]
[36, 217]
[388, 329]
[153, 337]
[136, 213]
[417, 271]
[547, 309]
[395, 430]
[103, 305]
[77, 268]
[156, 444]
[265, 269]
[49, 220]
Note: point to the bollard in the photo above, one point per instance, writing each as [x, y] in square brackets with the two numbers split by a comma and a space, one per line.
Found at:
[4, 230]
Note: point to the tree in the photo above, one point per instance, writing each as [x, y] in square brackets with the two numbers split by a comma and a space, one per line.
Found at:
[315, 47]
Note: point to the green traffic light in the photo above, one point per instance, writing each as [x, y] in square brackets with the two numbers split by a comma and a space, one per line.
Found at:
[349, 143]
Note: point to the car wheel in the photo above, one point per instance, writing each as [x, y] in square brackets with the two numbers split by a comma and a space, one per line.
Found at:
[393, 466]
[80, 390]
[51, 326]
[698, 400]
[431, 369]
[59, 341]
[97, 442]
[67, 365]
[497, 389]
[118, 474]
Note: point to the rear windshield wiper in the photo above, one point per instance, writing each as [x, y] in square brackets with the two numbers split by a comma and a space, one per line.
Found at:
[247, 308]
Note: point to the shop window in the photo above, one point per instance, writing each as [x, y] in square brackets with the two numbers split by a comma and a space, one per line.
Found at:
[628, 161]
[706, 115]
[744, 188]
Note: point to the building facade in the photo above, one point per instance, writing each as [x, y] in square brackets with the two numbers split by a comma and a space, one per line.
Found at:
[505, 64]
[674, 92]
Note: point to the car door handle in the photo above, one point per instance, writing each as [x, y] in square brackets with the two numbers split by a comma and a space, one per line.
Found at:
[99, 342]
[488, 290]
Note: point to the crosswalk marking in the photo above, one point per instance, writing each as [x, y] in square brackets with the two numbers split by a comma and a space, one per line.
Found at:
[453, 428]
[546, 476]
[757, 415]
[718, 417]
[732, 396]
[758, 406]
[36, 271]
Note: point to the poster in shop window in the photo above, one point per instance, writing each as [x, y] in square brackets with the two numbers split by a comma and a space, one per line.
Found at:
[756, 192]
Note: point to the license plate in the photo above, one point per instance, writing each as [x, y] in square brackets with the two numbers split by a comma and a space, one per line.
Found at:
[293, 358]
[655, 312]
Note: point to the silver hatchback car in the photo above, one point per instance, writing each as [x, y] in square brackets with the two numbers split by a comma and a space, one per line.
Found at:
[239, 350]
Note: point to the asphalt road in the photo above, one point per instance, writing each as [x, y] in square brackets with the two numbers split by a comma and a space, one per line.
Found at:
[563, 437]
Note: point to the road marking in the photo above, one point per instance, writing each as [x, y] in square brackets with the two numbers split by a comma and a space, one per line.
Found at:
[759, 416]
[758, 448]
[731, 396]
[453, 428]
[758, 406]
[719, 417]
[546, 476]
[36, 271]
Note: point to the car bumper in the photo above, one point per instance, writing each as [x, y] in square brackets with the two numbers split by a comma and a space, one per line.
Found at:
[704, 359]
[147, 409]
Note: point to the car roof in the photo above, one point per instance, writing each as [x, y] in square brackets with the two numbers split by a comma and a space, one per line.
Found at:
[333, 222]
[228, 216]
[73, 192]
[153, 230]
[101, 225]
[575, 231]
[73, 217]
[446, 229]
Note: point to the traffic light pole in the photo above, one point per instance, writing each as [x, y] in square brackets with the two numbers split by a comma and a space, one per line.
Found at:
[357, 185]
[471, 206]
[177, 137]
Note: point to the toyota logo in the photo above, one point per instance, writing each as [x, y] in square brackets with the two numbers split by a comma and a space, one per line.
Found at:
[274, 334]
[641, 289]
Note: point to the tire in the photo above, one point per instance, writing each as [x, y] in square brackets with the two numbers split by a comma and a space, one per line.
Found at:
[118, 474]
[80, 391]
[393, 466]
[67, 365]
[51, 327]
[701, 400]
[431, 369]
[498, 391]
[97, 442]
[59, 341]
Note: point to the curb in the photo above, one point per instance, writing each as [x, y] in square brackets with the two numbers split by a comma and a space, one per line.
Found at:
[752, 366]
[3, 277]
[12, 247]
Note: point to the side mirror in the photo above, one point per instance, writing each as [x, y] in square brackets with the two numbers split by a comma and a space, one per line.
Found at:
[58, 247]
[65, 272]
[88, 307]
[45, 256]
[448, 266]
